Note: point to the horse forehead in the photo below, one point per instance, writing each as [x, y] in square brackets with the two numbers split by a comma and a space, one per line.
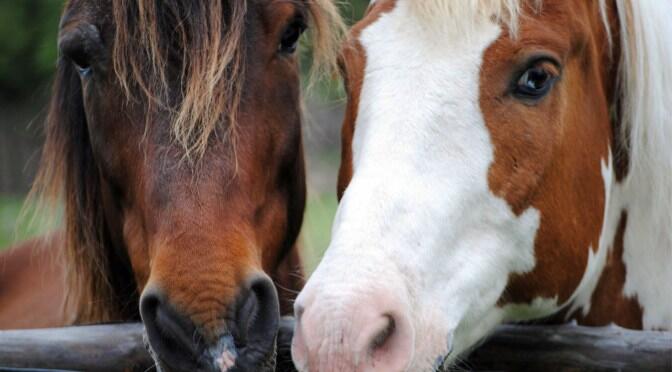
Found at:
[394, 50]
[76, 11]
[393, 36]
[403, 40]
[535, 17]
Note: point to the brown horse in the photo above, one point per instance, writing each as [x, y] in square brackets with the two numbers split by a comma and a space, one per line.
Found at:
[503, 160]
[174, 145]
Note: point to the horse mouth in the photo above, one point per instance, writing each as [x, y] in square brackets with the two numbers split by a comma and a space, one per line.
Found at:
[242, 359]
[221, 359]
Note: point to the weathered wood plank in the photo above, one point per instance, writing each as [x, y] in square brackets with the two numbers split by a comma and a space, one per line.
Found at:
[573, 348]
[111, 347]
[511, 348]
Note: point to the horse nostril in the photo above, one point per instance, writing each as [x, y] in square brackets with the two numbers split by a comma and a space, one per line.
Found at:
[389, 345]
[256, 322]
[383, 337]
[170, 334]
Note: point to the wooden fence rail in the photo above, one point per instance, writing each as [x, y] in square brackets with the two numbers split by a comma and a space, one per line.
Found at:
[112, 347]
[511, 348]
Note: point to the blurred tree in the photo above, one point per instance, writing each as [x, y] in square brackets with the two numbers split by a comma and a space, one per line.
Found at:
[28, 31]
[330, 90]
[353, 10]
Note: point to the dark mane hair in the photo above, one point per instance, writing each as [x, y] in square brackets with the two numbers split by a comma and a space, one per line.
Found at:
[201, 42]
[99, 280]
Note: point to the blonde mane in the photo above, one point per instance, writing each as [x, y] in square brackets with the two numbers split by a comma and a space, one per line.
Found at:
[205, 41]
[646, 113]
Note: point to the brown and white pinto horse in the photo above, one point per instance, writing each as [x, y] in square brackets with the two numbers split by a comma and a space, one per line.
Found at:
[174, 143]
[503, 160]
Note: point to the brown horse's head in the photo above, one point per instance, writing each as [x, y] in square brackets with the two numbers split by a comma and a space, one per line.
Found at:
[175, 139]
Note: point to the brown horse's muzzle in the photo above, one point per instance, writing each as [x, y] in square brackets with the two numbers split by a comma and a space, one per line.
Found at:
[245, 342]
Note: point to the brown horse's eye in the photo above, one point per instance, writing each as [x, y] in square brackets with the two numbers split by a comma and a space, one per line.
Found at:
[290, 37]
[82, 63]
[81, 46]
[536, 81]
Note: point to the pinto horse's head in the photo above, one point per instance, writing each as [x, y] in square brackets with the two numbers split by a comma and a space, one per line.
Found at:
[174, 138]
[487, 176]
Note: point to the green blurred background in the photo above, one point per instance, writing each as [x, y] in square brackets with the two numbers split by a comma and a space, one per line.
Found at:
[28, 30]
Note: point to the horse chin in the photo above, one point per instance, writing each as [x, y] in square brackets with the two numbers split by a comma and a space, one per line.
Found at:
[446, 341]
[220, 358]
[284, 361]
[434, 351]
[224, 363]
[445, 354]
[225, 357]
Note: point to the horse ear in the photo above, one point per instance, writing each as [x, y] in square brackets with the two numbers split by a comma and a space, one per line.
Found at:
[289, 279]
[68, 176]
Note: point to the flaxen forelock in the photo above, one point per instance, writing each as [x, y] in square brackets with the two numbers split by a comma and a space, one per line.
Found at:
[204, 41]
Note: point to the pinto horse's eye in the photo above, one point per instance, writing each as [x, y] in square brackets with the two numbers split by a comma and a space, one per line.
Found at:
[290, 37]
[536, 81]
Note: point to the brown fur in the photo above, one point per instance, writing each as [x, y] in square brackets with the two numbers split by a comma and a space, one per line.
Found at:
[31, 277]
[555, 167]
[548, 156]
